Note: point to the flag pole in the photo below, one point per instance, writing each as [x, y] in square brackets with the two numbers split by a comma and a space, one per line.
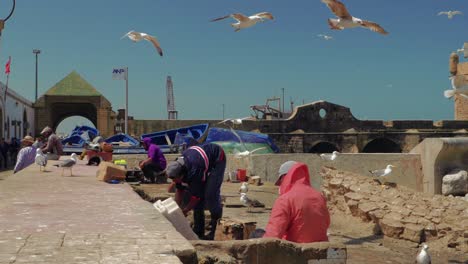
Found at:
[126, 100]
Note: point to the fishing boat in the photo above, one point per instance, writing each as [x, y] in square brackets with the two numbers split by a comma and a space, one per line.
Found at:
[169, 140]
[122, 140]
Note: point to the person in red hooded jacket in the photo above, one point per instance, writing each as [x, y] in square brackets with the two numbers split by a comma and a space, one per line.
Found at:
[300, 213]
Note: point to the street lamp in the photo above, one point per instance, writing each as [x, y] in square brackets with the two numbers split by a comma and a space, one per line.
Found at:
[2, 21]
[36, 51]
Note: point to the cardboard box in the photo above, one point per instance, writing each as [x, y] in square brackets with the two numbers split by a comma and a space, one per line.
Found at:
[108, 171]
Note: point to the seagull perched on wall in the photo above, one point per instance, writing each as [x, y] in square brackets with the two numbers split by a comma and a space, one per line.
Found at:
[329, 157]
[345, 20]
[382, 173]
[325, 37]
[40, 159]
[138, 36]
[68, 163]
[244, 187]
[450, 14]
[423, 257]
[246, 21]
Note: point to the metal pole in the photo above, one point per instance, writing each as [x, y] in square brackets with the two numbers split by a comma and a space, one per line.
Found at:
[223, 111]
[126, 101]
[283, 101]
[36, 79]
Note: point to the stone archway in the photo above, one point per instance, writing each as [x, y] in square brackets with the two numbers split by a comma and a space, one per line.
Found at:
[381, 145]
[323, 147]
[74, 96]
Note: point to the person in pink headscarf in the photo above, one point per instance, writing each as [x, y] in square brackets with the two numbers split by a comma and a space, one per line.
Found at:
[300, 213]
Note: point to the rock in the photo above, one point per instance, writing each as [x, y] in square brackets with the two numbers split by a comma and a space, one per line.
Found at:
[377, 215]
[364, 209]
[391, 227]
[353, 207]
[455, 183]
[466, 197]
[413, 233]
[430, 232]
[410, 220]
[335, 183]
[352, 196]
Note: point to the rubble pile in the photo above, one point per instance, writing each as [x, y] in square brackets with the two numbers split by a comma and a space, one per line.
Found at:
[398, 212]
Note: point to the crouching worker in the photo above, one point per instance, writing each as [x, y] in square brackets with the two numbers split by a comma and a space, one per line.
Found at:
[155, 164]
[199, 172]
[300, 213]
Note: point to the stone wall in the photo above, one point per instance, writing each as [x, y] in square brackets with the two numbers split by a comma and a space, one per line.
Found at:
[398, 212]
[461, 103]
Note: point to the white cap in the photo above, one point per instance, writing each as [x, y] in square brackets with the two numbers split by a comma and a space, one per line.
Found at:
[284, 168]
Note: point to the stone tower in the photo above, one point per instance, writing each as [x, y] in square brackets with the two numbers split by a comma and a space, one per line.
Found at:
[461, 103]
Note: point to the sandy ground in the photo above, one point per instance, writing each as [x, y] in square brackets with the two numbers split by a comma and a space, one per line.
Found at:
[362, 245]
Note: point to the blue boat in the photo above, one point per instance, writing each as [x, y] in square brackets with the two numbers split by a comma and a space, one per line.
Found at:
[74, 141]
[175, 137]
[123, 140]
[250, 140]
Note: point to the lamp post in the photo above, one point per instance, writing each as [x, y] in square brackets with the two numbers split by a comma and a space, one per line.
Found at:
[36, 51]
[2, 21]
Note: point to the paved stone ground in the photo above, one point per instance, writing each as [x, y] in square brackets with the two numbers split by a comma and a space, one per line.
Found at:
[47, 218]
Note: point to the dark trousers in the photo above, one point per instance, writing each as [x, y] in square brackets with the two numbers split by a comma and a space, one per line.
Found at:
[212, 201]
[150, 171]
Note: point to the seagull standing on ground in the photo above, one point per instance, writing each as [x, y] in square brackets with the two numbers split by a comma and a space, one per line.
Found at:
[246, 21]
[244, 187]
[325, 37]
[68, 163]
[382, 173]
[40, 159]
[249, 202]
[329, 157]
[450, 14]
[345, 20]
[138, 36]
[423, 256]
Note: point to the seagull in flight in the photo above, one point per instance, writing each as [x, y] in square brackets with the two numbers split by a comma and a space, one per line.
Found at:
[246, 21]
[69, 163]
[40, 159]
[345, 20]
[325, 37]
[245, 153]
[329, 157]
[450, 14]
[234, 121]
[138, 36]
[423, 256]
[459, 86]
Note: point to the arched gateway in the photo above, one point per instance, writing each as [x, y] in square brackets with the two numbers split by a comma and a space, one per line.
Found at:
[74, 96]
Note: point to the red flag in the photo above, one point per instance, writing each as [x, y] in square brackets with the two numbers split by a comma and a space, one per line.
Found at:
[7, 66]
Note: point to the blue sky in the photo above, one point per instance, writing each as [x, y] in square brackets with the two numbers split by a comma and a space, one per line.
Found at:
[399, 76]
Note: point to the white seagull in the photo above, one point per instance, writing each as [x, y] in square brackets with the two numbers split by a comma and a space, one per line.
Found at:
[234, 121]
[250, 202]
[246, 21]
[345, 20]
[450, 14]
[244, 187]
[245, 153]
[68, 163]
[423, 257]
[382, 173]
[329, 157]
[325, 37]
[138, 36]
[459, 86]
[40, 159]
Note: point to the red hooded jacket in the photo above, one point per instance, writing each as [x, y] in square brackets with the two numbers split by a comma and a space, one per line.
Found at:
[300, 213]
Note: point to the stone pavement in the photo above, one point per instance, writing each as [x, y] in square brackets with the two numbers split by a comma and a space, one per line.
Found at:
[47, 218]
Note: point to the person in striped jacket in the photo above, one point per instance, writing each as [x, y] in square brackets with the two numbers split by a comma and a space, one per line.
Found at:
[198, 175]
